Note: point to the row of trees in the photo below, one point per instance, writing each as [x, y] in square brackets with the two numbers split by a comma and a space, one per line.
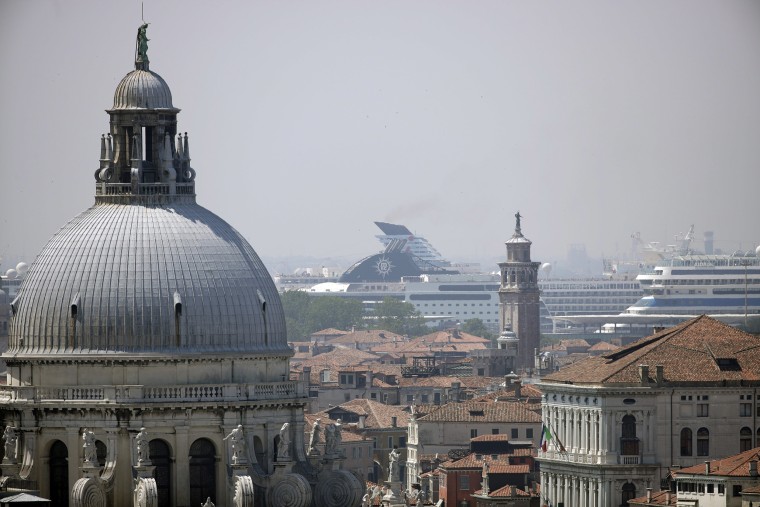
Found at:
[305, 315]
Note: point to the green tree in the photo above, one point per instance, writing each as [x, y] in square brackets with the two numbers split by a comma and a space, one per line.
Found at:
[476, 327]
[399, 317]
[295, 304]
[333, 311]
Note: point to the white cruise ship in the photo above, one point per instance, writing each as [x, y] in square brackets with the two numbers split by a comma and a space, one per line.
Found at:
[701, 284]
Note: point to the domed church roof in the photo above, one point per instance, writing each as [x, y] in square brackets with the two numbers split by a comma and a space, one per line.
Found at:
[142, 89]
[146, 271]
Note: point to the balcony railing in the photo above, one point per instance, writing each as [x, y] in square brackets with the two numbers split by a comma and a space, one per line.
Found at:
[144, 189]
[155, 394]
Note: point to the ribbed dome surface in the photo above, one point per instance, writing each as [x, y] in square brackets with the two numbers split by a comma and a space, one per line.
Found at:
[126, 262]
[142, 89]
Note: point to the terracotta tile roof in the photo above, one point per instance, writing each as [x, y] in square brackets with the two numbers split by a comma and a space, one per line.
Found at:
[368, 336]
[699, 350]
[603, 346]
[658, 498]
[754, 490]
[378, 414]
[734, 466]
[330, 331]
[449, 340]
[500, 465]
[529, 393]
[339, 358]
[506, 491]
[577, 342]
[501, 437]
[482, 412]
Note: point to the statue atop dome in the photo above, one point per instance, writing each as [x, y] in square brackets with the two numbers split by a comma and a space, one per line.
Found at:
[142, 47]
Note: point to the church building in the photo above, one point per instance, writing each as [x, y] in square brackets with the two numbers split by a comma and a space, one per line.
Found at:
[147, 362]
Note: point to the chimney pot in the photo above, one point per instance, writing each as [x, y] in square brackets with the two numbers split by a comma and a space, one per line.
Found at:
[644, 374]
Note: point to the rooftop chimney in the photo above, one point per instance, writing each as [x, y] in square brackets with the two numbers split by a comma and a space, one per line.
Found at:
[753, 468]
[659, 374]
[518, 388]
[644, 374]
[667, 498]
[394, 421]
[649, 495]
[362, 418]
[707, 468]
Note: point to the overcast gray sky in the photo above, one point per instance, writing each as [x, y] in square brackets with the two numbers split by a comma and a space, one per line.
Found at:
[310, 120]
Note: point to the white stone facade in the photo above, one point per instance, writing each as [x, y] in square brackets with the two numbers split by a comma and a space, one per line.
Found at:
[600, 465]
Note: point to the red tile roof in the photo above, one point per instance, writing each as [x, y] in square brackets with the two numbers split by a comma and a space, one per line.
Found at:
[734, 466]
[482, 412]
[699, 350]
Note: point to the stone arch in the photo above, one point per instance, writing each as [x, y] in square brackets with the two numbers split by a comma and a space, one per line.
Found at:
[703, 442]
[202, 471]
[161, 458]
[261, 452]
[745, 439]
[686, 442]
[58, 470]
[628, 493]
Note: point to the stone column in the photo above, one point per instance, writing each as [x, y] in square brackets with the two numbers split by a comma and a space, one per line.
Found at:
[74, 445]
[182, 465]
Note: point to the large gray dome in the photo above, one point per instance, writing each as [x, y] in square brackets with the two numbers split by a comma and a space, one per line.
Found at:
[142, 89]
[111, 280]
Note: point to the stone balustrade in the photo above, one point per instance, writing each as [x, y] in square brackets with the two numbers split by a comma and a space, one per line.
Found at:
[156, 394]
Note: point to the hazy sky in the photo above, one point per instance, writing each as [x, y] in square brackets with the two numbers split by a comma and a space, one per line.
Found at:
[310, 120]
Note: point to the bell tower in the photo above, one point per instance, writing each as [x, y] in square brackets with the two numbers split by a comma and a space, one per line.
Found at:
[519, 296]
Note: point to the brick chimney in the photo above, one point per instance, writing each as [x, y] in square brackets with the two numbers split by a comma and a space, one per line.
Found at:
[753, 468]
[644, 374]
[518, 389]
[659, 374]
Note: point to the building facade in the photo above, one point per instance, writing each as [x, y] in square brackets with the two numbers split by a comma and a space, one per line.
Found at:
[617, 422]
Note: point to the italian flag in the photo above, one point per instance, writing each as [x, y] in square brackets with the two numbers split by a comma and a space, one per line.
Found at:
[546, 436]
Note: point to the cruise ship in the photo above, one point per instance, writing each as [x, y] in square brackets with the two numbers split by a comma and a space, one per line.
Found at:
[701, 284]
[726, 287]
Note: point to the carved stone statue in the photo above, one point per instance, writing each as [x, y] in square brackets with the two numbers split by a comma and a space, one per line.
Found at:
[283, 448]
[142, 43]
[393, 457]
[237, 443]
[90, 449]
[338, 436]
[10, 437]
[330, 447]
[143, 447]
[314, 438]
[208, 502]
[517, 221]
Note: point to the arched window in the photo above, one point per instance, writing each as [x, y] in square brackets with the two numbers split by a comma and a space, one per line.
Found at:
[202, 472]
[629, 492]
[629, 444]
[745, 439]
[160, 456]
[58, 467]
[100, 452]
[261, 454]
[703, 442]
[686, 442]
